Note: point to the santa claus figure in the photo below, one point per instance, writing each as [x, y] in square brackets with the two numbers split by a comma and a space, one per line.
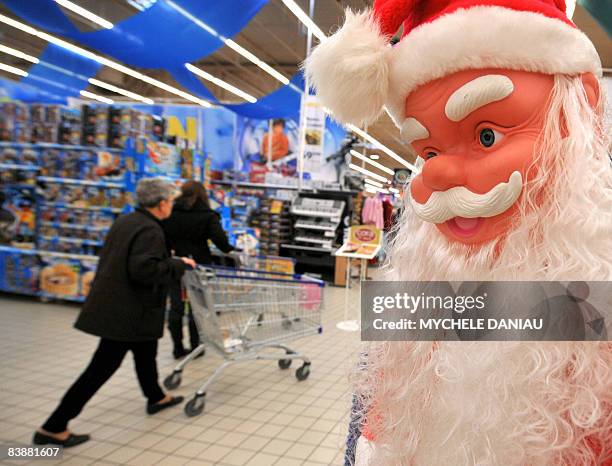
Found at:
[501, 102]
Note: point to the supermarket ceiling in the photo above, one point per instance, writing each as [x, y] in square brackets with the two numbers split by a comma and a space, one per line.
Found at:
[274, 35]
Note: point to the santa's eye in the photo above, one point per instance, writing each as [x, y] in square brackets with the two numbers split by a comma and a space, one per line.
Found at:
[430, 155]
[488, 137]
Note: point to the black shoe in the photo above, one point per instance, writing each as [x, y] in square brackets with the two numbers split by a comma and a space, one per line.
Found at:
[180, 353]
[157, 407]
[72, 441]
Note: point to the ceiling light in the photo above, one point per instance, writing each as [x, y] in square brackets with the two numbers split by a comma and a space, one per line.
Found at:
[374, 156]
[118, 90]
[305, 19]
[374, 189]
[382, 147]
[12, 69]
[570, 8]
[231, 44]
[356, 154]
[18, 54]
[394, 190]
[102, 60]
[368, 172]
[91, 95]
[85, 14]
[372, 182]
[53, 83]
[219, 82]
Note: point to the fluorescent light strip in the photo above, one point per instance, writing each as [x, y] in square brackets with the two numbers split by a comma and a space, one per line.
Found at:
[380, 166]
[102, 60]
[374, 189]
[85, 14]
[368, 172]
[231, 44]
[53, 83]
[253, 59]
[382, 147]
[570, 8]
[394, 190]
[305, 19]
[12, 69]
[18, 54]
[372, 182]
[220, 83]
[93, 96]
[118, 90]
[374, 156]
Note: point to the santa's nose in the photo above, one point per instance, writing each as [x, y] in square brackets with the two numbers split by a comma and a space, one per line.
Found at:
[443, 172]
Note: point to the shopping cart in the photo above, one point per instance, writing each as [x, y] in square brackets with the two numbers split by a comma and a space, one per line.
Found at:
[243, 313]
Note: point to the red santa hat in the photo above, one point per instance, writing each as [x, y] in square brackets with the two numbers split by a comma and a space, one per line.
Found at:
[356, 72]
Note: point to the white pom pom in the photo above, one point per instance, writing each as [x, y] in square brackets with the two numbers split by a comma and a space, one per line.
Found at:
[350, 70]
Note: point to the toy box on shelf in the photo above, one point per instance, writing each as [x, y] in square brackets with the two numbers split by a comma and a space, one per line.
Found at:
[46, 274]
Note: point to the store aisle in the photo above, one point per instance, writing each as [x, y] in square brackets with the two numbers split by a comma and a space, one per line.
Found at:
[255, 413]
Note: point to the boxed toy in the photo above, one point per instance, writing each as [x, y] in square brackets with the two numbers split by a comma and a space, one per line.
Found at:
[59, 277]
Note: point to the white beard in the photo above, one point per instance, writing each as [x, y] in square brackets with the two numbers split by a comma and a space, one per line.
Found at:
[510, 403]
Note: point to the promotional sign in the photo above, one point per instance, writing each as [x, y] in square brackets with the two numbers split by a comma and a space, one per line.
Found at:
[364, 241]
[313, 117]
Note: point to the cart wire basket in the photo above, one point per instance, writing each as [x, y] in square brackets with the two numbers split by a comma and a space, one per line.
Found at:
[243, 314]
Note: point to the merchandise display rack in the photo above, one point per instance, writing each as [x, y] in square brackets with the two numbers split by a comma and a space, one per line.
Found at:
[68, 216]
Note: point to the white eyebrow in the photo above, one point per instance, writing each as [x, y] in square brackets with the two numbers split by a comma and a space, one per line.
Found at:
[477, 93]
[412, 130]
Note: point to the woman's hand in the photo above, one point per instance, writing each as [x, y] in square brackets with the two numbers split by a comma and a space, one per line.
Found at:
[190, 262]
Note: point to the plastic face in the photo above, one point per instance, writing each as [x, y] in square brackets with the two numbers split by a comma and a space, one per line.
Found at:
[490, 141]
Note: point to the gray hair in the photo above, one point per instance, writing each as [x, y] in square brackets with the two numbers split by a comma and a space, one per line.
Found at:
[151, 191]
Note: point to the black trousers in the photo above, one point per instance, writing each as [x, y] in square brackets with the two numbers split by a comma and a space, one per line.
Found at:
[175, 320]
[106, 360]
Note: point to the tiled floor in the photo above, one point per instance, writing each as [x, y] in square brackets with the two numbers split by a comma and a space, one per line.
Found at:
[255, 413]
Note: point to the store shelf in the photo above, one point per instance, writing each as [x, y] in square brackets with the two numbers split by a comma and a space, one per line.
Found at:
[103, 184]
[18, 166]
[69, 206]
[244, 184]
[50, 145]
[73, 226]
[311, 225]
[66, 239]
[306, 248]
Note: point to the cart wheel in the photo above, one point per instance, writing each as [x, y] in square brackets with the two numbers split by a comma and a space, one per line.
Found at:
[303, 372]
[284, 363]
[172, 381]
[195, 406]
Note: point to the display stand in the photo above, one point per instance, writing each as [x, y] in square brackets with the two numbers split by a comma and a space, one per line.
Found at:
[364, 243]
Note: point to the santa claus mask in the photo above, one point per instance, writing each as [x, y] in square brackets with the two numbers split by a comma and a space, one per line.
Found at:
[476, 131]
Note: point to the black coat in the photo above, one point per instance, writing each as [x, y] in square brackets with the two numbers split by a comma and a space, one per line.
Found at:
[128, 294]
[189, 229]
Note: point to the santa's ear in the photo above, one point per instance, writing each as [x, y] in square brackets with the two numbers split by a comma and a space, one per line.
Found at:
[591, 87]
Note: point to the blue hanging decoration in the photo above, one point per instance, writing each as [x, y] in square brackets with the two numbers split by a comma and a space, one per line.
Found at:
[15, 90]
[283, 103]
[61, 71]
[159, 37]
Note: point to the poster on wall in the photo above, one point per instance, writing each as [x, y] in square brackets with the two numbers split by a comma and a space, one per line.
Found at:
[262, 147]
[314, 129]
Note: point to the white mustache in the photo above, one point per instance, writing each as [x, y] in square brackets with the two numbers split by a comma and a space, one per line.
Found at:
[461, 202]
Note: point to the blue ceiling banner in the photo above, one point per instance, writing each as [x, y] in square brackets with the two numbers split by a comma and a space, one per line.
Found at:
[158, 37]
[61, 71]
[14, 90]
[283, 103]
[191, 82]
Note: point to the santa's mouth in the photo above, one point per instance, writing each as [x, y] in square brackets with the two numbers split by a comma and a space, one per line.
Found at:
[464, 227]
